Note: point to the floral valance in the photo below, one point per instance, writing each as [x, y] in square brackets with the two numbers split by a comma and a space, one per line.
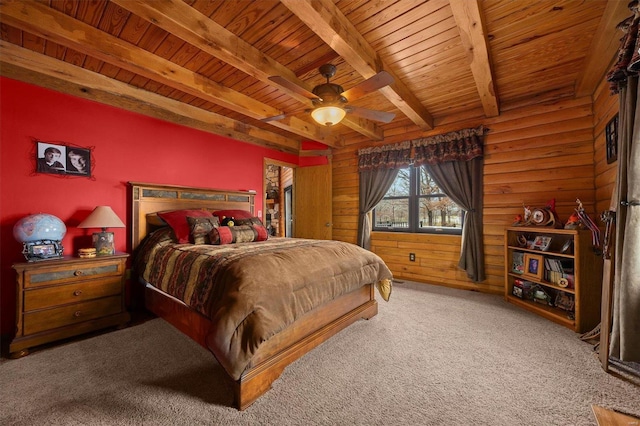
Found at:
[628, 59]
[385, 157]
[462, 145]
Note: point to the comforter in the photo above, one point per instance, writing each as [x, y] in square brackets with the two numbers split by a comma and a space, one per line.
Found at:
[252, 291]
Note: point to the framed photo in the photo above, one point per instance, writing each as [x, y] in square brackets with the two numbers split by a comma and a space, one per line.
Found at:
[59, 159]
[533, 266]
[42, 250]
[541, 243]
[517, 266]
[612, 139]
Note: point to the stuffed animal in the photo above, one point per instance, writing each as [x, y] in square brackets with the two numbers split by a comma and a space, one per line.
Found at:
[227, 221]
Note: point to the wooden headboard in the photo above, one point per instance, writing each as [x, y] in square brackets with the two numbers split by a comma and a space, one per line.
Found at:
[147, 198]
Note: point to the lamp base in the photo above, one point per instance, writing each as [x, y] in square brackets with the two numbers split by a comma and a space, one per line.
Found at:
[103, 242]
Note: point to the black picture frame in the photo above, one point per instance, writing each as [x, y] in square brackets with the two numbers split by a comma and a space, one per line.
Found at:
[611, 132]
[60, 159]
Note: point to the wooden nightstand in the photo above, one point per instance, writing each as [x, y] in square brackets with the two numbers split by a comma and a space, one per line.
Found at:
[65, 297]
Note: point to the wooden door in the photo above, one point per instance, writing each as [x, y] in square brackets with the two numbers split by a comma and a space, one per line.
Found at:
[313, 202]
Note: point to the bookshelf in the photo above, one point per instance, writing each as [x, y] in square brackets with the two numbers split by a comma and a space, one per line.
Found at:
[554, 273]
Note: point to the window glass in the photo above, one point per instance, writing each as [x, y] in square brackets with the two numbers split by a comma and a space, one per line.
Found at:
[415, 203]
[392, 213]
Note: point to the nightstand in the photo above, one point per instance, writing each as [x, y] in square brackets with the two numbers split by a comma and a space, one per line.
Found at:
[60, 298]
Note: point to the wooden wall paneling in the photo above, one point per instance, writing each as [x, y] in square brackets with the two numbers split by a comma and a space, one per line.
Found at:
[606, 106]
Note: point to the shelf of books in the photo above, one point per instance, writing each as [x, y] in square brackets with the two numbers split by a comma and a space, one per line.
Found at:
[555, 273]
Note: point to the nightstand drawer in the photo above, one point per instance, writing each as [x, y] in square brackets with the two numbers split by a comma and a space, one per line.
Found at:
[61, 273]
[46, 297]
[48, 319]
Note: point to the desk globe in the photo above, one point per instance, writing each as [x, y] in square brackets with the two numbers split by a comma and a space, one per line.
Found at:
[39, 227]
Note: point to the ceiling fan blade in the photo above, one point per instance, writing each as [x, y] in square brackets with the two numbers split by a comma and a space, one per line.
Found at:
[371, 84]
[292, 86]
[382, 116]
[284, 115]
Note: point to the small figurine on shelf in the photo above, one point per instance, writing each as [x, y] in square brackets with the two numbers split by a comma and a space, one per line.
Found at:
[520, 220]
[573, 222]
[527, 215]
[517, 221]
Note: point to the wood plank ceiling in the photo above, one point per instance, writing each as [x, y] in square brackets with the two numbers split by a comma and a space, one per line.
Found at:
[207, 64]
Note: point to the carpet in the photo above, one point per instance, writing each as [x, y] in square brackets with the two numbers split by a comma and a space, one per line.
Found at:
[432, 356]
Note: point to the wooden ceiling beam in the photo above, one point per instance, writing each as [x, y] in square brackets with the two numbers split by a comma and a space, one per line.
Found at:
[31, 67]
[60, 28]
[325, 19]
[189, 24]
[473, 34]
[603, 49]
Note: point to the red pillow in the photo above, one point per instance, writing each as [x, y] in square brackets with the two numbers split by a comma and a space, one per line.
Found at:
[236, 214]
[177, 220]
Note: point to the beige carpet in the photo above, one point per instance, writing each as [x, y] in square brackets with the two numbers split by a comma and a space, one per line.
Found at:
[432, 356]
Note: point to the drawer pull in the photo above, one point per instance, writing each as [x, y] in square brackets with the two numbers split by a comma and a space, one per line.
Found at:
[78, 273]
[77, 292]
[77, 313]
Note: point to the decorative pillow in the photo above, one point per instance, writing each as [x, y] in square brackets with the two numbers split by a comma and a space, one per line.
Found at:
[236, 214]
[238, 234]
[177, 220]
[154, 220]
[200, 227]
[250, 221]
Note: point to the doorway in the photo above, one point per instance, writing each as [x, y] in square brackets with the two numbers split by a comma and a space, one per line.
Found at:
[278, 201]
[288, 217]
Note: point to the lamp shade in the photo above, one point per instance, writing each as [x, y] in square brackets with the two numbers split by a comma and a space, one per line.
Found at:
[102, 217]
[328, 115]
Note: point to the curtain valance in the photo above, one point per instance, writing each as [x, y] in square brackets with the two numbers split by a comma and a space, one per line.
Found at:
[385, 157]
[462, 145]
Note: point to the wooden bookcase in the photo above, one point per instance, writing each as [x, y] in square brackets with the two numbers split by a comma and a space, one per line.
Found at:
[569, 256]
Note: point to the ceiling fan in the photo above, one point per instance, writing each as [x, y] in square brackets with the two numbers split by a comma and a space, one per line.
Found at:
[330, 100]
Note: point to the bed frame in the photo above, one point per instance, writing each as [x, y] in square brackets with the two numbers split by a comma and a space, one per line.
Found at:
[270, 360]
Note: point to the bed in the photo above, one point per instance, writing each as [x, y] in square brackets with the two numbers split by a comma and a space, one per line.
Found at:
[257, 305]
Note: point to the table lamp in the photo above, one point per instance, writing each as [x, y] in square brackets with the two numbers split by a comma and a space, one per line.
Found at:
[103, 217]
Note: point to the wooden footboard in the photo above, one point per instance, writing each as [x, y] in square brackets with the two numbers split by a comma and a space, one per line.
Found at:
[292, 343]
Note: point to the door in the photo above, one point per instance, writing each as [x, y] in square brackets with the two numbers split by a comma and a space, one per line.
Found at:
[313, 202]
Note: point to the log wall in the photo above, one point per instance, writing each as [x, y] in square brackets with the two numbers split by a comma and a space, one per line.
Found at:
[605, 107]
[533, 154]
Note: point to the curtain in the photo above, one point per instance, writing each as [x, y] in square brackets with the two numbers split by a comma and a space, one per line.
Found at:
[454, 160]
[378, 168]
[623, 78]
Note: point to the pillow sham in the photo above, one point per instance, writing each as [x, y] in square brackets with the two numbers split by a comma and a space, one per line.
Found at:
[238, 234]
[236, 214]
[177, 220]
[199, 228]
[250, 221]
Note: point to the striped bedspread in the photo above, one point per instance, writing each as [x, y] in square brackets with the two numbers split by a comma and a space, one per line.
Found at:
[251, 291]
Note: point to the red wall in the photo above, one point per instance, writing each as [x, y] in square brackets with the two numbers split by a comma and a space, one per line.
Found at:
[126, 147]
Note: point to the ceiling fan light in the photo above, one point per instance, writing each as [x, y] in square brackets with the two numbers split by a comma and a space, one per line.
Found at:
[328, 115]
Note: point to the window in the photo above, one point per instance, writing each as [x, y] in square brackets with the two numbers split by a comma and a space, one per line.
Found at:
[414, 203]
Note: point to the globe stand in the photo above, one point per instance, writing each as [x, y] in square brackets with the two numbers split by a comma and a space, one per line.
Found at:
[35, 251]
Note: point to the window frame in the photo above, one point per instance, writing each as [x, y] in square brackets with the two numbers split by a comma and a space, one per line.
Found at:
[414, 201]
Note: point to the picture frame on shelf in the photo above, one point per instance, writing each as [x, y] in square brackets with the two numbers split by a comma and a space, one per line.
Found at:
[542, 242]
[517, 266]
[533, 266]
